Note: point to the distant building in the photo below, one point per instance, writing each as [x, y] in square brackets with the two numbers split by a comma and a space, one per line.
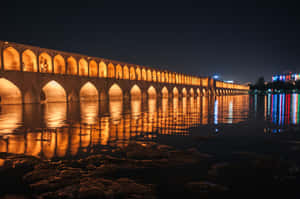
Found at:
[286, 77]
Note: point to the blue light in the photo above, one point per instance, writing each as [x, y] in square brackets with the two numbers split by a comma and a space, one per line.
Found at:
[215, 76]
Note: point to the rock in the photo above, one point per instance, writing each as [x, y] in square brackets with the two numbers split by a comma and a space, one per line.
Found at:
[94, 159]
[39, 174]
[105, 169]
[164, 147]
[127, 188]
[205, 187]
[70, 173]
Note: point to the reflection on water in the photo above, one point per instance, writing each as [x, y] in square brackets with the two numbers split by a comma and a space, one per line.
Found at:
[63, 130]
[89, 112]
[10, 118]
[281, 109]
[55, 114]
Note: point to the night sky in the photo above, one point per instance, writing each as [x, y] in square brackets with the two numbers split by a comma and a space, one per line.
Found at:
[239, 41]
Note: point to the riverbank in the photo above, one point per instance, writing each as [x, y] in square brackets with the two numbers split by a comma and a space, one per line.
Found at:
[150, 170]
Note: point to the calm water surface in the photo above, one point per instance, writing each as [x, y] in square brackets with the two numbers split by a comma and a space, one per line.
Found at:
[59, 130]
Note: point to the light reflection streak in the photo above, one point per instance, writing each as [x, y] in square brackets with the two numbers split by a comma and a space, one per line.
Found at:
[216, 112]
[116, 127]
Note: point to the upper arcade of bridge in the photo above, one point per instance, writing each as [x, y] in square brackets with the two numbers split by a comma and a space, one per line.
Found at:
[26, 58]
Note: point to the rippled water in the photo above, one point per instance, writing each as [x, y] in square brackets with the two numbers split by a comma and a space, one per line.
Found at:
[61, 130]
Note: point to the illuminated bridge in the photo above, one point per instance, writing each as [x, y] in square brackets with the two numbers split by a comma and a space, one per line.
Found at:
[31, 74]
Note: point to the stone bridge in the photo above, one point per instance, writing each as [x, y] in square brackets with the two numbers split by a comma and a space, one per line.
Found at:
[31, 74]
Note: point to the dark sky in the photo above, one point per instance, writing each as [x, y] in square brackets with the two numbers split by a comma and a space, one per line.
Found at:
[239, 41]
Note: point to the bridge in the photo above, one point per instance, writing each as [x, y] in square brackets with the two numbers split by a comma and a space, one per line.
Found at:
[30, 74]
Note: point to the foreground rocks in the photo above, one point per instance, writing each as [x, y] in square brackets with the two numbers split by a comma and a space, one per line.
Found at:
[103, 175]
[141, 170]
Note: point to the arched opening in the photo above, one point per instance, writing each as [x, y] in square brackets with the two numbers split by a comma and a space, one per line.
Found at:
[132, 73]
[83, 67]
[144, 75]
[72, 66]
[9, 92]
[29, 61]
[203, 91]
[125, 72]
[102, 69]
[164, 92]
[111, 70]
[173, 78]
[158, 77]
[136, 108]
[45, 63]
[119, 72]
[162, 77]
[192, 92]
[154, 76]
[138, 73]
[151, 92]
[166, 77]
[88, 92]
[136, 96]
[53, 92]
[115, 103]
[198, 92]
[135, 92]
[115, 92]
[175, 92]
[11, 59]
[59, 65]
[149, 75]
[93, 69]
[184, 92]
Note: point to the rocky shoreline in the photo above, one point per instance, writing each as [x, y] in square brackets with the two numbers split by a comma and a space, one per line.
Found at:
[148, 170]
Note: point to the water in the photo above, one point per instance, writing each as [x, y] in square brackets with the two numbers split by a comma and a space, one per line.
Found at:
[59, 130]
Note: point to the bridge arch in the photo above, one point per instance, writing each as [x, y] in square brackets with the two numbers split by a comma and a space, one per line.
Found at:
[198, 92]
[154, 76]
[111, 70]
[45, 63]
[88, 92]
[158, 76]
[59, 65]
[138, 74]
[162, 77]
[53, 92]
[83, 67]
[192, 92]
[175, 92]
[93, 69]
[9, 92]
[29, 61]
[144, 74]
[165, 92]
[132, 73]
[166, 77]
[135, 92]
[102, 69]
[119, 72]
[149, 75]
[125, 72]
[115, 92]
[151, 92]
[11, 59]
[184, 92]
[72, 66]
